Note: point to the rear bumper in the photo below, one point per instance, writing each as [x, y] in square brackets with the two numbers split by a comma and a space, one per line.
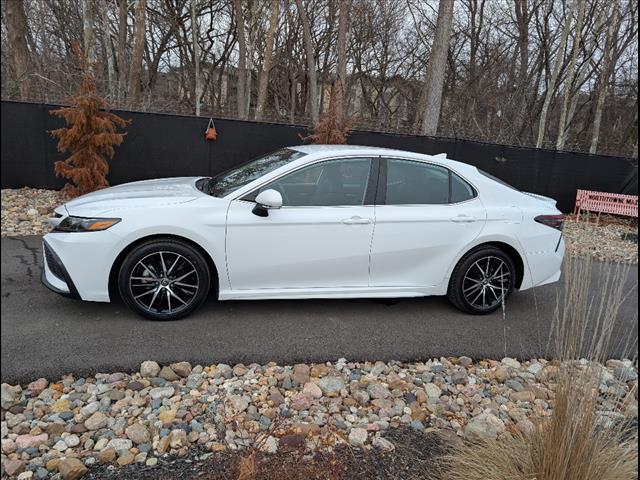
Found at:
[55, 275]
[544, 267]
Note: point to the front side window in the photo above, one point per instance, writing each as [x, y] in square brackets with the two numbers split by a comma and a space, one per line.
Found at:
[327, 184]
[230, 181]
[416, 183]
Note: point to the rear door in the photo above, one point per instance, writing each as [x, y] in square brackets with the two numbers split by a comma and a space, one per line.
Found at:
[425, 215]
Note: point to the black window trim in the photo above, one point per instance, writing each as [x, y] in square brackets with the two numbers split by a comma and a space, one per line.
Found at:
[369, 196]
[381, 194]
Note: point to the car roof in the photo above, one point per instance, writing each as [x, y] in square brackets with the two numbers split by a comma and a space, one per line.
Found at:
[349, 149]
[320, 151]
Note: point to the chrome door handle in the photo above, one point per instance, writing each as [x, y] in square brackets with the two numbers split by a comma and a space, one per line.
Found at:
[356, 221]
[463, 219]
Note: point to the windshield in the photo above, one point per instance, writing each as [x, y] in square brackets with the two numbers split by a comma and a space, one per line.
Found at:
[231, 180]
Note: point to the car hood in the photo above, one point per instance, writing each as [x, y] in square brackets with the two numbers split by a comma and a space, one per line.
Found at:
[143, 194]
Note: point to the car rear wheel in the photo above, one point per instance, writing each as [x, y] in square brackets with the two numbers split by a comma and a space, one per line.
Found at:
[164, 279]
[482, 279]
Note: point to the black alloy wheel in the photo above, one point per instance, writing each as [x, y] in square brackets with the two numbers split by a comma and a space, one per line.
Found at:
[164, 279]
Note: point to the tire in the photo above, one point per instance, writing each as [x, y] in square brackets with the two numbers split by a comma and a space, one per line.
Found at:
[164, 279]
[468, 281]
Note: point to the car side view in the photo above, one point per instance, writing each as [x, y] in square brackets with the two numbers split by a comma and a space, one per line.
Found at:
[313, 221]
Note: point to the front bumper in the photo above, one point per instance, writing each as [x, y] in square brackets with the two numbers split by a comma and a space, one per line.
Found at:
[55, 275]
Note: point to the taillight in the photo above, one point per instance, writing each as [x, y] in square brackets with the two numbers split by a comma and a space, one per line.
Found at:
[553, 221]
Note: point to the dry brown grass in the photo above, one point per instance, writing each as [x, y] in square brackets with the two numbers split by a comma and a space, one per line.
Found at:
[578, 442]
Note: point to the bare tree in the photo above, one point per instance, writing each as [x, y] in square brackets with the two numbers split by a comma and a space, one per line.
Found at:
[135, 72]
[123, 12]
[341, 50]
[495, 78]
[605, 74]
[17, 32]
[195, 35]
[568, 83]
[263, 81]
[311, 63]
[551, 83]
[431, 96]
[88, 35]
[108, 49]
[242, 60]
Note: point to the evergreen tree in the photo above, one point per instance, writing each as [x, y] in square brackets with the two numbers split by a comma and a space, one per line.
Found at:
[90, 136]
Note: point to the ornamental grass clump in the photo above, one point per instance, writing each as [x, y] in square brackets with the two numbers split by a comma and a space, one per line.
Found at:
[592, 433]
[90, 136]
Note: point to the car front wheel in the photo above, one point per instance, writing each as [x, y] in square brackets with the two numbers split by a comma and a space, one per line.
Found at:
[481, 280]
[164, 279]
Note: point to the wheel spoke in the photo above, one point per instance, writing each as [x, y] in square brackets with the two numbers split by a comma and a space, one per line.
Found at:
[164, 266]
[173, 294]
[492, 288]
[145, 293]
[185, 285]
[184, 276]
[155, 295]
[175, 262]
[476, 298]
[153, 275]
[477, 264]
[472, 288]
[169, 299]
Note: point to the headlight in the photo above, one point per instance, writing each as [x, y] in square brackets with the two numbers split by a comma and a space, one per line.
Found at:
[83, 224]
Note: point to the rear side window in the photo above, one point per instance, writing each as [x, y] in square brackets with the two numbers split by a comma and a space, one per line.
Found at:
[416, 183]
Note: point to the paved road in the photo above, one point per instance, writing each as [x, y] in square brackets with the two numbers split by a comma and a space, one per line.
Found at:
[44, 334]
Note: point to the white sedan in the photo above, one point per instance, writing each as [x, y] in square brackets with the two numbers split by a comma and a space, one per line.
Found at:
[312, 221]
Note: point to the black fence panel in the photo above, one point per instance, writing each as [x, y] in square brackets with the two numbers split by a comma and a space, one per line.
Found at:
[161, 145]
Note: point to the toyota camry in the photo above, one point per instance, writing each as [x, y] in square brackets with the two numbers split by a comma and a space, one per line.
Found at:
[312, 221]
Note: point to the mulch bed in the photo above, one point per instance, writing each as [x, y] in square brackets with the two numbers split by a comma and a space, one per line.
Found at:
[415, 457]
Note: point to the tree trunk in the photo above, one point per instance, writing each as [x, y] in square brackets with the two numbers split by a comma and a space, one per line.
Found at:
[242, 61]
[554, 76]
[431, 96]
[605, 75]
[17, 33]
[263, 82]
[523, 17]
[135, 72]
[311, 64]
[88, 36]
[197, 87]
[123, 12]
[341, 47]
[563, 128]
[108, 47]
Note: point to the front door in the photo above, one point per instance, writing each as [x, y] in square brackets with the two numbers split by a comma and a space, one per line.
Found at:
[320, 238]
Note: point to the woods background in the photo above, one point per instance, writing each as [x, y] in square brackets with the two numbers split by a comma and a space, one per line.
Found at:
[560, 74]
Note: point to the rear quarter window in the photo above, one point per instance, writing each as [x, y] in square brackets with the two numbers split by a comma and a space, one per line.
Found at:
[461, 191]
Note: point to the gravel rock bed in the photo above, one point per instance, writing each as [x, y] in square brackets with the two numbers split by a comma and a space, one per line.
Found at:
[25, 212]
[612, 239]
[81, 426]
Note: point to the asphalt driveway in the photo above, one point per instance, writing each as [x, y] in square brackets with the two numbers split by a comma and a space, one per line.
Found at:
[44, 334]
